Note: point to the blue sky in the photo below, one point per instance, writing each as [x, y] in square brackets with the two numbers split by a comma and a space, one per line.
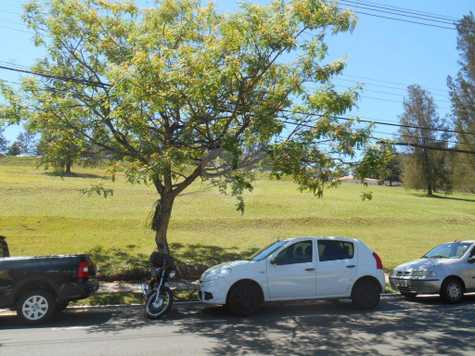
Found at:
[385, 55]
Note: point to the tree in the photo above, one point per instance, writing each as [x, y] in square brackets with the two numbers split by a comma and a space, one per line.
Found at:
[14, 149]
[424, 166]
[462, 94]
[59, 150]
[179, 92]
[381, 162]
[26, 142]
[3, 142]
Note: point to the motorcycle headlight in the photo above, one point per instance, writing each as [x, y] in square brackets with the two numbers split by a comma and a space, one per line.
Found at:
[172, 274]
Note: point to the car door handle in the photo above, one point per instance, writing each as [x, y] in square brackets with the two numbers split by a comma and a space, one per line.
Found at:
[310, 269]
[350, 266]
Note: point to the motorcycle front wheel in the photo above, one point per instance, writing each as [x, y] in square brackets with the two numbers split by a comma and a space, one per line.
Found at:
[156, 307]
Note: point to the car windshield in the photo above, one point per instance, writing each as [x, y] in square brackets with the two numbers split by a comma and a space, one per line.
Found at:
[450, 250]
[262, 254]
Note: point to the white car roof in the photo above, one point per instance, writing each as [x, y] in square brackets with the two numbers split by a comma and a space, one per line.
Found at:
[339, 238]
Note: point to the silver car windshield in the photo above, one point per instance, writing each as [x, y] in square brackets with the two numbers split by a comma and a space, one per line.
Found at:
[262, 254]
[449, 250]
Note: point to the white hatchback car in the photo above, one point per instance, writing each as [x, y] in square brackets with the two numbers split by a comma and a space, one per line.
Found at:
[295, 269]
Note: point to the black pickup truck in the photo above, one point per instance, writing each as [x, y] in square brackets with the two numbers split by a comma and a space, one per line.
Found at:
[37, 287]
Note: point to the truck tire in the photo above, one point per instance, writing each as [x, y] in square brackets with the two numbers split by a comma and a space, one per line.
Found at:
[35, 306]
[61, 306]
[244, 298]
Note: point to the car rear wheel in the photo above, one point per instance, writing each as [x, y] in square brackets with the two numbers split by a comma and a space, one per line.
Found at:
[244, 299]
[366, 294]
[452, 290]
[36, 306]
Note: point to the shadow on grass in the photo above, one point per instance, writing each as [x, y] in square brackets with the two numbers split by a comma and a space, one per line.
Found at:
[445, 196]
[448, 197]
[127, 264]
[76, 175]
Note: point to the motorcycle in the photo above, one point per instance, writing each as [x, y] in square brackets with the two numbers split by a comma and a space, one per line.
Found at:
[157, 293]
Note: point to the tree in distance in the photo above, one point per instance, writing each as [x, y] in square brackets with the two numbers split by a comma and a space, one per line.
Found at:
[462, 94]
[424, 168]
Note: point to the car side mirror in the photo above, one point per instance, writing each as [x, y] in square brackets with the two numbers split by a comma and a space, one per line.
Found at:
[471, 259]
[273, 261]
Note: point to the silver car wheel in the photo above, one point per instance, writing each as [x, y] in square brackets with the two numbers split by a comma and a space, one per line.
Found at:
[35, 307]
[454, 291]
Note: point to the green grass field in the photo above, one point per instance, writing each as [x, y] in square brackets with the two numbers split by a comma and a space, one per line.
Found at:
[44, 214]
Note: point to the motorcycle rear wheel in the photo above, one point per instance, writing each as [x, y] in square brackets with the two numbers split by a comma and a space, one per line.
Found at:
[154, 309]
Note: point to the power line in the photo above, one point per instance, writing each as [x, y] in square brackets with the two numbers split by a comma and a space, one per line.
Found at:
[405, 20]
[391, 83]
[402, 9]
[445, 149]
[402, 14]
[401, 96]
[384, 123]
[16, 29]
[405, 135]
[51, 76]
[439, 94]
[382, 140]
[375, 122]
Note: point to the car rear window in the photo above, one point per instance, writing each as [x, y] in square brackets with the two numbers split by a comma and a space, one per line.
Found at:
[331, 250]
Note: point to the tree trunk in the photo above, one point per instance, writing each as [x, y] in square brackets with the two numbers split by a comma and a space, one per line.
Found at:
[429, 189]
[163, 212]
[67, 167]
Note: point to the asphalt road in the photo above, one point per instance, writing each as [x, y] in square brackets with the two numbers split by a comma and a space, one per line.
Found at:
[425, 326]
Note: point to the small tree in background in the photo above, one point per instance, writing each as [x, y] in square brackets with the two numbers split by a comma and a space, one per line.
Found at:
[14, 149]
[179, 92]
[59, 151]
[381, 162]
[423, 166]
[462, 94]
[27, 142]
[3, 142]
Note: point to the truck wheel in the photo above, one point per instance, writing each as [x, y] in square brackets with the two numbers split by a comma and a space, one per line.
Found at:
[61, 306]
[36, 306]
[366, 294]
[451, 290]
[244, 299]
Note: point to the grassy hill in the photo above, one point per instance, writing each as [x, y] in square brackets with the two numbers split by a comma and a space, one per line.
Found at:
[44, 214]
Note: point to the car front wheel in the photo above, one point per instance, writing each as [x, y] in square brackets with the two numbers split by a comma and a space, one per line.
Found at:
[452, 290]
[244, 299]
[36, 306]
[366, 294]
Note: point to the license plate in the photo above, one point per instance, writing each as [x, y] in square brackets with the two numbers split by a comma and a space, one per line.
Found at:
[403, 283]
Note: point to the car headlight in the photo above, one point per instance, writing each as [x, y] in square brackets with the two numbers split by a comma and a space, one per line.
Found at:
[220, 273]
[423, 273]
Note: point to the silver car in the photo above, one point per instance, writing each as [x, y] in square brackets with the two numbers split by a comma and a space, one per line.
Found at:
[448, 270]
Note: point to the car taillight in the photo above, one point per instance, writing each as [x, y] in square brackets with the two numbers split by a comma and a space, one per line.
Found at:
[83, 270]
[379, 263]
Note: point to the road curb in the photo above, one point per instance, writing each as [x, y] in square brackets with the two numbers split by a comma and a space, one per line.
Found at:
[139, 305]
[132, 305]
[191, 302]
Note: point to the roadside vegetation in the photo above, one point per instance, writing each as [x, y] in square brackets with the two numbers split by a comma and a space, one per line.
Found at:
[45, 214]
